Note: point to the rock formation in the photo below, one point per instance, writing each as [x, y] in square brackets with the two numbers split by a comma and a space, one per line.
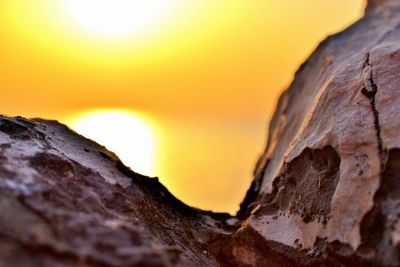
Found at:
[326, 190]
[67, 201]
[328, 182]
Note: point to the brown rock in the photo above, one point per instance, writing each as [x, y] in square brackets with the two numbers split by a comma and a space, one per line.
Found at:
[327, 187]
[326, 190]
[67, 201]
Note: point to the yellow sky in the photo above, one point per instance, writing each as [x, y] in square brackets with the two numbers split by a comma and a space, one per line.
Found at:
[207, 72]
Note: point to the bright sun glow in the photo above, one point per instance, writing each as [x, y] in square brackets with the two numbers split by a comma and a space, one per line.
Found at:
[115, 17]
[126, 133]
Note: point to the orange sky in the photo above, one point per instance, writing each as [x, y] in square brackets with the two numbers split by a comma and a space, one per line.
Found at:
[208, 73]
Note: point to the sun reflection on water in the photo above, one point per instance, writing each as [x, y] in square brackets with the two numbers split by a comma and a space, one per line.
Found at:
[129, 134]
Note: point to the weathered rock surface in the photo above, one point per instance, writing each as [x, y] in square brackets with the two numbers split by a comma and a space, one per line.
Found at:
[326, 190]
[66, 201]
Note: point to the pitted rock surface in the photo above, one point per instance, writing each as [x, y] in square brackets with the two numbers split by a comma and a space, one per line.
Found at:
[67, 201]
[326, 190]
[345, 97]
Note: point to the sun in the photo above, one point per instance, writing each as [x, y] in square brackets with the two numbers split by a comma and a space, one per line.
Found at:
[115, 17]
[126, 133]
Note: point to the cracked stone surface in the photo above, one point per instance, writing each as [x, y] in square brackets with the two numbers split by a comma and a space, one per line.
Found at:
[326, 191]
[327, 181]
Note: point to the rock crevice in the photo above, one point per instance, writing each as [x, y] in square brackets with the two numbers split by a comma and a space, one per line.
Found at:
[326, 190]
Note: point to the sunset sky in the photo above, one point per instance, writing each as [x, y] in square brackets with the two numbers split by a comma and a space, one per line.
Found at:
[194, 80]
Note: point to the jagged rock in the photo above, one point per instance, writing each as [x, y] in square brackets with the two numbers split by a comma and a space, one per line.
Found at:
[67, 201]
[327, 187]
[326, 190]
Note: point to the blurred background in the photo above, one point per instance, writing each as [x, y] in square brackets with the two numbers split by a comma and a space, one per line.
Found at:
[179, 89]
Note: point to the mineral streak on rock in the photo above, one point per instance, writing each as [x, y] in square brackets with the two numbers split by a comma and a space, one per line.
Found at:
[326, 190]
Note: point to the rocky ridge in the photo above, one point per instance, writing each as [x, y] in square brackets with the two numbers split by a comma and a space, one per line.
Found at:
[326, 191]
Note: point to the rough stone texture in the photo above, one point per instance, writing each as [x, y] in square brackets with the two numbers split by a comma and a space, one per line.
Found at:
[326, 190]
[66, 201]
